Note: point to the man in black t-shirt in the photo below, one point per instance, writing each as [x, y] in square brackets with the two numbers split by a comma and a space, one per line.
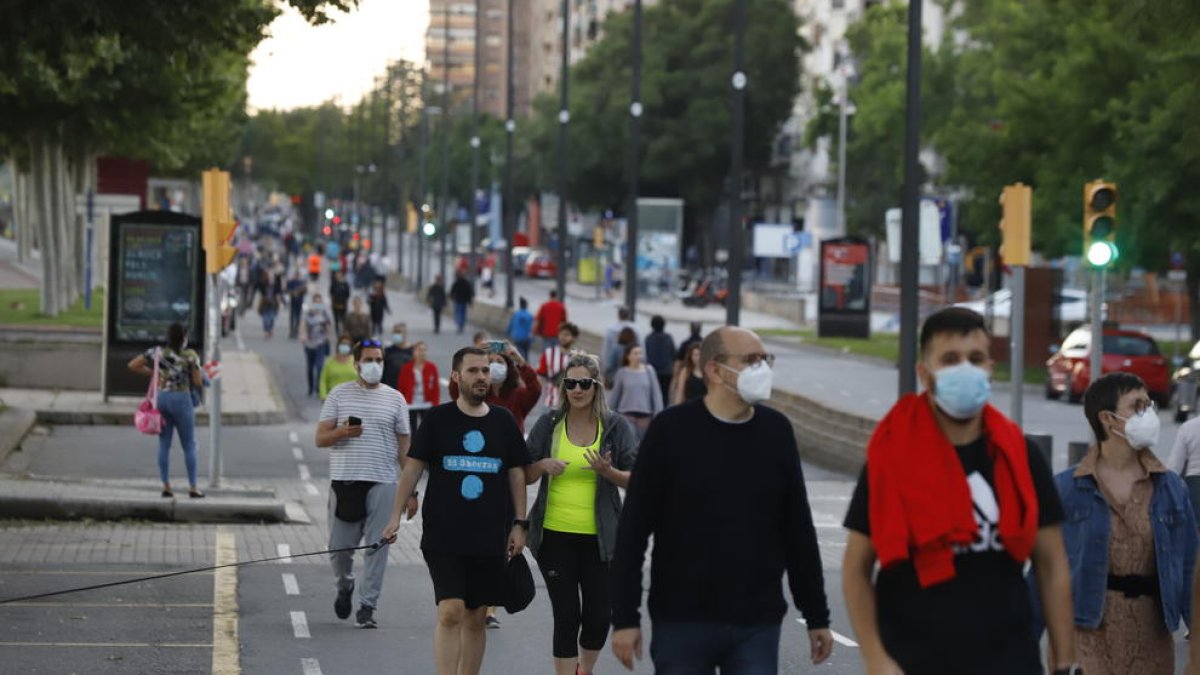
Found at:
[476, 458]
[980, 619]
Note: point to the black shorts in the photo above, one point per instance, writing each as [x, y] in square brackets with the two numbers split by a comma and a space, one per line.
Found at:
[477, 580]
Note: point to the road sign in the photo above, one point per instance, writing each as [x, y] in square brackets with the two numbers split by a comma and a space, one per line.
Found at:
[1179, 276]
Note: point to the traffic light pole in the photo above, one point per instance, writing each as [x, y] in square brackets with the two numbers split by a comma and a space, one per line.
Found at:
[213, 290]
[910, 225]
[1097, 348]
[737, 238]
[1016, 343]
[635, 130]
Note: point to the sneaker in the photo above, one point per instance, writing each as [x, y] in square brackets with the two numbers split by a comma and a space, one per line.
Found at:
[492, 622]
[343, 605]
[365, 618]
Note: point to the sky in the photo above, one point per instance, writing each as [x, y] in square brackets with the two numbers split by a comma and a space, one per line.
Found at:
[300, 65]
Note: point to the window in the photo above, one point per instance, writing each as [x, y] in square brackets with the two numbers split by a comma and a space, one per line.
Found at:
[493, 41]
[1129, 345]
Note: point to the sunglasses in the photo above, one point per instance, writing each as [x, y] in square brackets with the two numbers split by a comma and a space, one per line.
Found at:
[584, 384]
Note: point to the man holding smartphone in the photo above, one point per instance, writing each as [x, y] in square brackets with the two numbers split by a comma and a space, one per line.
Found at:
[365, 426]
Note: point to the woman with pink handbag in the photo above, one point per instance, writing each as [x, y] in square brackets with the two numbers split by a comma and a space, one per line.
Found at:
[174, 371]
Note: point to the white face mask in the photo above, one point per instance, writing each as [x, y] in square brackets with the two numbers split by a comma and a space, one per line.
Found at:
[1141, 431]
[753, 383]
[497, 372]
[371, 372]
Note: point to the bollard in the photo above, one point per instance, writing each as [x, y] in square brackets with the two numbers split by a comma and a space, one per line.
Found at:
[1045, 445]
[1076, 450]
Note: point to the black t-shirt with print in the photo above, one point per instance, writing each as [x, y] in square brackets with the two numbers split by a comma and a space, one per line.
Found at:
[980, 621]
[468, 506]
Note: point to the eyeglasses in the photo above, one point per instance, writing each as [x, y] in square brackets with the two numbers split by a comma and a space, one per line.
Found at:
[752, 359]
[584, 384]
[370, 343]
[1142, 407]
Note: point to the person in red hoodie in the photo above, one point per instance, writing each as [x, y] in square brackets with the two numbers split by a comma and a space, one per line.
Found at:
[952, 503]
[514, 384]
[420, 399]
[550, 316]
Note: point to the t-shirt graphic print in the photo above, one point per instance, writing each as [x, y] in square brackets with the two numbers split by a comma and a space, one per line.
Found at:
[468, 505]
[987, 517]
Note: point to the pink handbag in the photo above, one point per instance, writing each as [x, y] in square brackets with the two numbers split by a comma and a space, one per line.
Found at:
[148, 419]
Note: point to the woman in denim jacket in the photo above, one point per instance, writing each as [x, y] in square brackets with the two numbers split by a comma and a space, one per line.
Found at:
[1130, 536]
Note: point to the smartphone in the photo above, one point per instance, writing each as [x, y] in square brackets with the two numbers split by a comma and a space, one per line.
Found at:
[497, 346]
[354, 421]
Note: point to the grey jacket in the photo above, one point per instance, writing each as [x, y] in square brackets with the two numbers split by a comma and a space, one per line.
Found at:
[618, 438]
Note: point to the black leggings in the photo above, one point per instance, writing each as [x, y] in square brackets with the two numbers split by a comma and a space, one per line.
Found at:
[571, 566]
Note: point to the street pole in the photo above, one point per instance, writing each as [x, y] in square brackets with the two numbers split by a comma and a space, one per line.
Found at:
[510, 126]
[444, 195]
[564, 117]
[401, 170]
[1096, 355]
[635, 130]
[733, 303]
[422, 187]
[387, 163]
[475, 144]
[213, 289]
[909, 231]
[1016, 343]
[841, 178]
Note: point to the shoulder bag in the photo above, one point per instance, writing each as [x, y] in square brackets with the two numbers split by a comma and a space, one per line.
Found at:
[148, 419]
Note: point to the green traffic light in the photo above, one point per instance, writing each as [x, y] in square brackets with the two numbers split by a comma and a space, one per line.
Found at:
[1101, 254]
[429, 229]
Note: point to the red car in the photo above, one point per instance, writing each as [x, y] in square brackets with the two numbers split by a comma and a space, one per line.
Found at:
[540, 264]
[1069, 370]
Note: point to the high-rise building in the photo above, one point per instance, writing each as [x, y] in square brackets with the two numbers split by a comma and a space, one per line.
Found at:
[455, 20]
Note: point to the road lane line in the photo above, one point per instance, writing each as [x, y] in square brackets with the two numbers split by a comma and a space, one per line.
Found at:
[300, 625]
[310, 666]
[305, 474]
[293, 437]
[284, 551]
[298, 453]
[289, 584]
[837, 637]
[312, 489]
[226, 659]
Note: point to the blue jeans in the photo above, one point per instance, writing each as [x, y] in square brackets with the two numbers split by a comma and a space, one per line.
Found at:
[268, 319]
[460, 315]
[523, 347]
[695, 648]
[178, 415]
[314, 359]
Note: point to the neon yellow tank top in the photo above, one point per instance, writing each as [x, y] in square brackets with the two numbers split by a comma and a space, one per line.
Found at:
[571, 501]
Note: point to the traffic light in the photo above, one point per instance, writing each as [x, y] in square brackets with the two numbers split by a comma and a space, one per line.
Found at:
[1016, 202]
[218, 222]
[1100, 223]
[429, 229]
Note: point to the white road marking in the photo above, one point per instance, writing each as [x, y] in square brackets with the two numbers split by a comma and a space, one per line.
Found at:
[305, 474]
[293, 437]
[300, 625]
[284, 551]
[837, 637]
[298, 453]
[290, 586]
[310, 666]
[312, 489]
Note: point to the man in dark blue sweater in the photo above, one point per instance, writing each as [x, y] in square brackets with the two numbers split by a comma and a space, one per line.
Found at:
[722, 464]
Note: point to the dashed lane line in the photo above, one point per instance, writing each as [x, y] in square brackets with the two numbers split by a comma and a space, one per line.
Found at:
[300, 625]
[310, 666]
[305, 474]
[284, 551]
[290, 585]
[312, 489]
[293, 437]
[298, 453]
[226, 658]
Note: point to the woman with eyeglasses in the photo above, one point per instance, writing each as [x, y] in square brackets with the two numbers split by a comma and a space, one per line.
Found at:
[582, 453]
[1130, 537]
[339, 368]
[636, 393]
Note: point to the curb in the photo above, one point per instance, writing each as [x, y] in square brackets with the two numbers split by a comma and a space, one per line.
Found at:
[15, 423]
[124, 418]
[58, 507]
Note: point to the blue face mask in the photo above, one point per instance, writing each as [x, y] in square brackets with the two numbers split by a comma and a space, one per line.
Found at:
[961, 390]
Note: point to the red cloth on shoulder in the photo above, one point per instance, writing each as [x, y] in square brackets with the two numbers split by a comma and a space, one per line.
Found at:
[920, 503]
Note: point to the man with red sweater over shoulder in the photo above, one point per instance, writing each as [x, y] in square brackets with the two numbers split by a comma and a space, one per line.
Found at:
[952, 503]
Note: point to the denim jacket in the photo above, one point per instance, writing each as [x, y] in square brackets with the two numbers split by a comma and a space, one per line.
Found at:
[1086, 532]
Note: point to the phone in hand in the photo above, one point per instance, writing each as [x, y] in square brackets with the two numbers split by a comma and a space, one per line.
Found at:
[354, 421]
[497, 346]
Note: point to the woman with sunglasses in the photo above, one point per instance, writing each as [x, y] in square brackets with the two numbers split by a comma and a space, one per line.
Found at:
[339, 368]
[1130, 537]
[582, 453]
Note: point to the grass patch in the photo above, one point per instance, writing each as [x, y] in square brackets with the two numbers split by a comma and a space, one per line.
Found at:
[22, 306]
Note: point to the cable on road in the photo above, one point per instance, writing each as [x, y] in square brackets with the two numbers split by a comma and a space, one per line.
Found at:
[373, 548]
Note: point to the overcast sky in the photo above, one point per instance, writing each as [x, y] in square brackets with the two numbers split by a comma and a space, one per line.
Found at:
[301, 65]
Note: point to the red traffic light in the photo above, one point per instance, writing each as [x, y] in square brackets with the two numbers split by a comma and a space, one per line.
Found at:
[357, 236]
[337, 220]
[327, 230]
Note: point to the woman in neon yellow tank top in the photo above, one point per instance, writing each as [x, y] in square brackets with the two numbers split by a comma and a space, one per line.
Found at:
[582, 453]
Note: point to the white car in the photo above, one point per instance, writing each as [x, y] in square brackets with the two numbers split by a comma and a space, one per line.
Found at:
[1072, 305]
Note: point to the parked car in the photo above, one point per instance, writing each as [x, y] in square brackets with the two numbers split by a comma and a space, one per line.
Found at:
[1072, 304]
[540, 265]
[1069, 369]
[1185, 382]
[519, 256]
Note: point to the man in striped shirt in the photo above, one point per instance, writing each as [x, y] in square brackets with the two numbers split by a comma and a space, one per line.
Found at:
[365, 427]
[554, 362]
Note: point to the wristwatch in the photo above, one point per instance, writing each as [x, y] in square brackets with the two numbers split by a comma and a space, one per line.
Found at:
[523, 524]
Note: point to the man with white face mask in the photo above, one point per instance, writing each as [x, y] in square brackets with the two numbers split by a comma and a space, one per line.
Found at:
[709, 470]
[952, 503]
[365, 426]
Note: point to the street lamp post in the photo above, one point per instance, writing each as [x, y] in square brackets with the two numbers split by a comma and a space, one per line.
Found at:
[734, 301]
[510, 126]
[475, 144]
[909, 231]
[422, 187]
[635, 129]
[564, 117]
[444, 195]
